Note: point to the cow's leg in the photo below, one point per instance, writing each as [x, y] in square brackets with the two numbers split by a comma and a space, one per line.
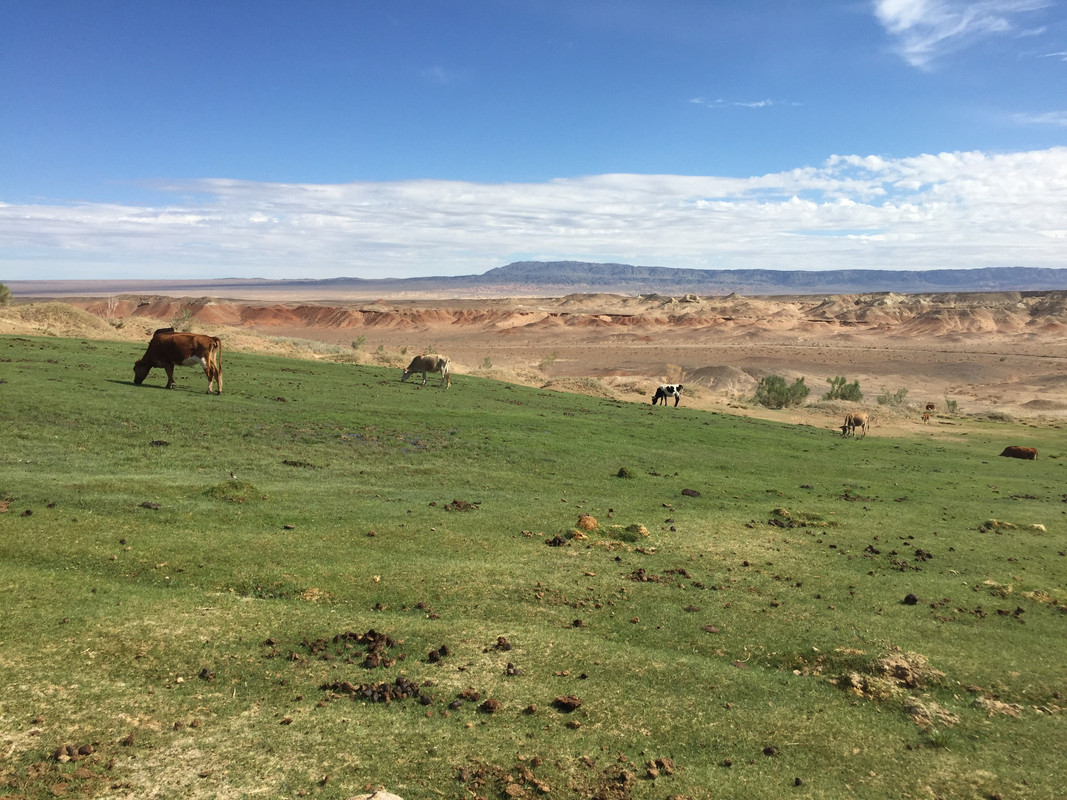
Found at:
[677, 400]
[214, 372]
[170, 375]
[213, 376]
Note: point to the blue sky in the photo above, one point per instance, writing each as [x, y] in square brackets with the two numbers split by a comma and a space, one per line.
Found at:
[377, 138]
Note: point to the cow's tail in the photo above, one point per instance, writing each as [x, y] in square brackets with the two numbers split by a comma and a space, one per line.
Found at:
[218, 365]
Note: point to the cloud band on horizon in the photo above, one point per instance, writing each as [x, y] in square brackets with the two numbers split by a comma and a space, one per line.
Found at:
[949, 210]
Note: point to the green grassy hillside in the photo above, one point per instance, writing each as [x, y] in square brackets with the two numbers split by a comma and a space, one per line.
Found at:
[326, 580]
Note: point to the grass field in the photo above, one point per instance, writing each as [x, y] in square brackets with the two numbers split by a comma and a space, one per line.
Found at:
[325, 581]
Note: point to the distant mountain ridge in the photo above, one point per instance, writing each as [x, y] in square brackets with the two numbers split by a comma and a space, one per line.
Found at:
[629, 279]
[550, 278]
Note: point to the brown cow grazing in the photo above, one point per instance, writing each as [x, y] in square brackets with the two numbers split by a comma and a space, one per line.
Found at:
[926, 417]
[930, 406]
[853, 420]
[169, 348]
[430, 363]
[1014, 451]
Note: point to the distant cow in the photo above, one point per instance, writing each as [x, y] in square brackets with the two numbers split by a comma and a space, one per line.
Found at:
[430, 363]
[926, 417]
[853, 420]
[930, 406]
[169, 348]
[1014, 451]
[668, 390]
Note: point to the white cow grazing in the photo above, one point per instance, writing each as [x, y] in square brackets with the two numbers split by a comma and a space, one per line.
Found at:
[430, 363]
[668, 390]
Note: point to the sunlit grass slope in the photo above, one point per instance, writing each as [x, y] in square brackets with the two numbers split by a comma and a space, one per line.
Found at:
[325, 580]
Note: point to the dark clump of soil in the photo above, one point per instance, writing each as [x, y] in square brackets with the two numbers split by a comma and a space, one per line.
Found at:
[556, 541]
[641, 576]
[490, 780]
[462, 505]
[567, 703]
[69, 752]
[348, 647]
[400, 689]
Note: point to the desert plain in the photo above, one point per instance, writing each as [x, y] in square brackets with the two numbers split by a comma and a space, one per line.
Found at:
[989, 355]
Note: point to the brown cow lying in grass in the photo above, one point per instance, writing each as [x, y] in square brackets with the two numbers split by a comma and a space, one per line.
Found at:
[170, 348]
[853, 420]
[1014, 451]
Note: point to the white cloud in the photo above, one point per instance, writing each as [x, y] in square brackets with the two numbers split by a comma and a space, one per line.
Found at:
[925, 29]
[1054, 118]
[962, 209]
[720, 103]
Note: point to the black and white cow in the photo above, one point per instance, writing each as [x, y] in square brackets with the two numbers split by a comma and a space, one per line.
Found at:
[668, 390]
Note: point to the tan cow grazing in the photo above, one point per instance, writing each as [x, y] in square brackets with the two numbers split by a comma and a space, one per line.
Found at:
[1014, 451]
[926, 417]
[170, 348]
[853, 420]
[430, 363]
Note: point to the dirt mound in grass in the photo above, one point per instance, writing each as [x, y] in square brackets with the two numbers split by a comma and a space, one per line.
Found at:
[1045, 405]
[726, 380]
[53, 319]
[893, 674]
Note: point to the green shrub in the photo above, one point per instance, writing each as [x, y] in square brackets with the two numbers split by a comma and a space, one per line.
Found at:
[183, 320]
[887, 398]
[840, 389]
[5, 295]
[774, 392]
